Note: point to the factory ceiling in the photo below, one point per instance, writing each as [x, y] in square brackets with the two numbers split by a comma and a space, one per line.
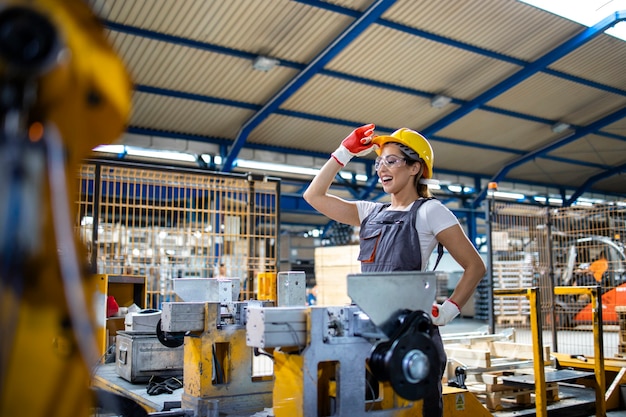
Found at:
[504, 91]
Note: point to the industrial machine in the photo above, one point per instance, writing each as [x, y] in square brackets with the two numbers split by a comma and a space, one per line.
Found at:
[64, 91]
[375, 357]
[371, 358]
[218, 366]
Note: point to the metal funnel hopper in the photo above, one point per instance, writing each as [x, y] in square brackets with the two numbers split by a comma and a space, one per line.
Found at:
[385, 296]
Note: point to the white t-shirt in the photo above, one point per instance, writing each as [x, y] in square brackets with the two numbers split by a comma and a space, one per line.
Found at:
[432, 218]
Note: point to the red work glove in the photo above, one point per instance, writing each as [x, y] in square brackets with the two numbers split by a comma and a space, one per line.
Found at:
[357, 143]
[443, 314]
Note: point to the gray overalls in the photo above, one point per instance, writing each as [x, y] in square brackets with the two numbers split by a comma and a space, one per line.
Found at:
[389, 242]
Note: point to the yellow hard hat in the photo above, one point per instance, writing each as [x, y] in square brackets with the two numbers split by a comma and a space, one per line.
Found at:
[414, 141]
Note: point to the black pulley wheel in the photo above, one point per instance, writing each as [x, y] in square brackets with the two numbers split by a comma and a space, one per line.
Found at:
[409, 360]
[171, 340]
[377, 361]
[412, 365]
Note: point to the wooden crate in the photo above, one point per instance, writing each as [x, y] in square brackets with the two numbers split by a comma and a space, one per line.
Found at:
[332, 266]
[482, 354]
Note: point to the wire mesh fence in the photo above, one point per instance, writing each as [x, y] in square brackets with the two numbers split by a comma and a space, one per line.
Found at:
[166, 223]
[549, 247]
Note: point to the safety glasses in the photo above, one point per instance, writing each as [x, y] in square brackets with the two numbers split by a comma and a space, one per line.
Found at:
[390, 161]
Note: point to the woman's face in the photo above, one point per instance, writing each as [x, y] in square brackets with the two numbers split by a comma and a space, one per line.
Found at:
[392, 169]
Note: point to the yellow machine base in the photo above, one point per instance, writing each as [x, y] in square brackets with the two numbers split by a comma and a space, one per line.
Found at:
[461, 402]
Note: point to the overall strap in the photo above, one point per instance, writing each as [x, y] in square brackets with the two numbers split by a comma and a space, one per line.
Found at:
[418, 204]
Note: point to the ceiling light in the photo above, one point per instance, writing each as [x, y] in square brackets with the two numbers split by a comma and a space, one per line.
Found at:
[123, 150]
[549, 200]
[349, 176]
[459, 188]
[116, 149]
[509, 195]
[440, 101]
[268, 166]
[560, 127]
[169, 155]
[263, 63]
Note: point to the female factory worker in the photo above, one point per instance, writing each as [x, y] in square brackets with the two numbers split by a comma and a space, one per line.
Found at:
[404, 165]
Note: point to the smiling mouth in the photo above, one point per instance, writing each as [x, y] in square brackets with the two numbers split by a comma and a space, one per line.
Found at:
[385, 179]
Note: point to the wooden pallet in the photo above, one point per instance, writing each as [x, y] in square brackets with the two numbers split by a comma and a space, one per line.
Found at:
[496, 395]
[511, 320]
[507, 275]
[487, 354]
[515, 397]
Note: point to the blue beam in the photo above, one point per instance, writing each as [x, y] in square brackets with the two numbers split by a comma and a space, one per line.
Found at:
[294, 203]
[190, 43]
[592, 180]
[295, 65]
[245, 55]
[249, 106]
[347, 186]
[461, 45]
[369, 187]
[526, 72]
[348, 123]
[142, 88]
[224, 142]
[249, 56]
[343, 40]
[176, 40]
[593, 127]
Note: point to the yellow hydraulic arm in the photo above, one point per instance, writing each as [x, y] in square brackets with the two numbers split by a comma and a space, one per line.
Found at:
[63, 91]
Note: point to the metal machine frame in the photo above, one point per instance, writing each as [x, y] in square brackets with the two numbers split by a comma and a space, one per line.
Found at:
[323, 355]
[217, 365]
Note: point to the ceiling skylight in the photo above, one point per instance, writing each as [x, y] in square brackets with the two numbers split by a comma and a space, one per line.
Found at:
[585, 12]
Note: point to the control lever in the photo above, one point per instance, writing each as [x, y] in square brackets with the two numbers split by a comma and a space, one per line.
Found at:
[460, 374]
